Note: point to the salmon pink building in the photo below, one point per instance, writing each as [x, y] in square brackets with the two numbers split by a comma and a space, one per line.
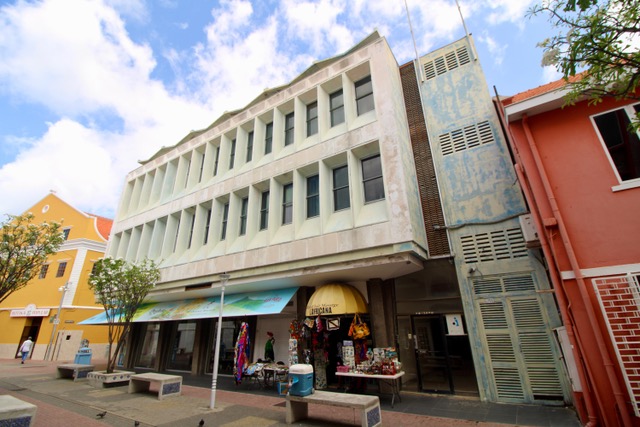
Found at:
[579, 167]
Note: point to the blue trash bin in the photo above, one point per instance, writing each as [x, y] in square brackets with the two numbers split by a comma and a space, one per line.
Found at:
[83, 357]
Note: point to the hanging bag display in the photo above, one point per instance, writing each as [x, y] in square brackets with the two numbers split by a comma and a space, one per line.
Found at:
[359, 329]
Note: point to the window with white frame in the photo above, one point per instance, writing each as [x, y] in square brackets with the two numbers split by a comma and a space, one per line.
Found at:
[193, 223]
[372, 179]
[264, 210]
[287, 204]
[207, 227]
[622, 143]
[65, 233]
[243, 216]
[313, 196]
[249, 146]
[43, 271]
[364, 95]
[289, 123]
[336, 108]
[215, 165]
[225, 219]
[232, 154]
[268, 138]
[341, 188]
[312, 118]
[201, 168]
[61, 268]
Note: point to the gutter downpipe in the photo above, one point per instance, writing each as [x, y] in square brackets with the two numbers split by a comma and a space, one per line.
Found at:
[553, 272]
[611, 374]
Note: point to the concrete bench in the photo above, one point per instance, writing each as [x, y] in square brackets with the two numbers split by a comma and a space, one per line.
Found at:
[15, 412]
[369, 406]
[168, 385]
[75, 371]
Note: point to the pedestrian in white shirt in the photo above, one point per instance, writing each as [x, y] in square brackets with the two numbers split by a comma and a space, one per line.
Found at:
[25, 349]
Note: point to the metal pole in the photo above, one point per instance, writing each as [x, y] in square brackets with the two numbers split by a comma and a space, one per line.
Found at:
[224, 277]
[56, 321]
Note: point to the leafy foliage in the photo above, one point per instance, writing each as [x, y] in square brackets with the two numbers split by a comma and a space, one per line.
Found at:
[121, 287]
[600, 38]
[24, 248]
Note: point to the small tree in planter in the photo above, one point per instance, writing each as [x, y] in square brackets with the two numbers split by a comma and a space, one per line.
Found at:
[121, 287]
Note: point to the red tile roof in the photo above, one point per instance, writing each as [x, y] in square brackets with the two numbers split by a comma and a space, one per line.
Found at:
[104, 225]
[540, 90]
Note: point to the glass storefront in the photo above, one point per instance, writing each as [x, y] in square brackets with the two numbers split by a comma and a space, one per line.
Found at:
[182, 343]
[147, 358]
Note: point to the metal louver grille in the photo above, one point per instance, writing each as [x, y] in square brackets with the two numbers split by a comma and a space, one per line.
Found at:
[527, 313]
[501, 349]
[447, 62]
[519, 283]
[468, 137]
[493, 246]
[493, 315]
[508, 384]
[504, 284]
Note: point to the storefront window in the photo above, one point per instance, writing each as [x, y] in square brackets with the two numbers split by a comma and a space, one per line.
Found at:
[182, 342]
[149, 346]
[227, 346]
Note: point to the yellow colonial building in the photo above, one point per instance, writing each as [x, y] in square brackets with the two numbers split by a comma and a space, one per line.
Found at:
[60, 286]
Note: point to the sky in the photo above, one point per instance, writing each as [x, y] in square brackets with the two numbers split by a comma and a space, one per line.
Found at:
[88, 88]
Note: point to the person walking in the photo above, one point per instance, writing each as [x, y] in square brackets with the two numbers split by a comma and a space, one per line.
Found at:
[25, 349]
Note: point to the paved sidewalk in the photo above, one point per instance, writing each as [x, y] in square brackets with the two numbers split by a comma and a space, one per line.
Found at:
[64, 403]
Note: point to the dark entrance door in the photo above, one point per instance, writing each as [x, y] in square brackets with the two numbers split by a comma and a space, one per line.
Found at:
[432, 356]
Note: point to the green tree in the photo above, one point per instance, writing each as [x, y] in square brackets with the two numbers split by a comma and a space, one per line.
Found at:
[121, 287]
[24, 248]
[600, 38]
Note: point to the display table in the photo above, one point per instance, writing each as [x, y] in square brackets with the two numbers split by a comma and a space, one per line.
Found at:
[392, 380]
[273, 373]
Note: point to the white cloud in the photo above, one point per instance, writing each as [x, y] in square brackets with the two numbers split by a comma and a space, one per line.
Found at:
[550, 74]
[496, 49]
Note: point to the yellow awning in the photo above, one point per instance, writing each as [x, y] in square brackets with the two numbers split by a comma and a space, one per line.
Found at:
[336, 298]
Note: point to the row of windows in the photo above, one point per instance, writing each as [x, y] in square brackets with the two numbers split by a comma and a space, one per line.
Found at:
[373, 187]
[243, 144]
[45, 268]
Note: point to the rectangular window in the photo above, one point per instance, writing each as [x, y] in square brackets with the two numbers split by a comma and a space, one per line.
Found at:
[364, 95]
[43, 271]
[232, 155]
[623, 144]
[186, 176]
[312, 118]
[268, 138]
[287, 204]
[341, 188]
[243, 216]
[372, 179]
[175, 238]
[201, 168]
[336, 108]
[206, 228]
[288, 129]
[249, 146]
[225, 218]
[193, 223]
[215, 165]
[61, 268]
[313, 196]
[264, 211]
[65, 233]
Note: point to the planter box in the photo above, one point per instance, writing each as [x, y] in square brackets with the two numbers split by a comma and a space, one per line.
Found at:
[101, 379]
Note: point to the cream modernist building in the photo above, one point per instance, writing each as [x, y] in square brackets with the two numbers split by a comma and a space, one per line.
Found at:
[313, 182]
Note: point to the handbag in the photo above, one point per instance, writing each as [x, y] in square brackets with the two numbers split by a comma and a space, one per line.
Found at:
[359, 329]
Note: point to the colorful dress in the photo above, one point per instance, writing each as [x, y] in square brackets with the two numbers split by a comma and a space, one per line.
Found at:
[241, 359]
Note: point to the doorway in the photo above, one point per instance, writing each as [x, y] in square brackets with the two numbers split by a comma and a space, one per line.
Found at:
[31, 329]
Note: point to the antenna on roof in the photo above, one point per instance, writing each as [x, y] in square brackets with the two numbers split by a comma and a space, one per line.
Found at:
[473, 49]
[415, 47]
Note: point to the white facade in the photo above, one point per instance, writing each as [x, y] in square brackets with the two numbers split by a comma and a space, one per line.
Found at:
[198, 208]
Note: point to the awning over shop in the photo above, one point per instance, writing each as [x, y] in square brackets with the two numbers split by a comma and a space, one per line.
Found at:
[245, 304]
[336, 299]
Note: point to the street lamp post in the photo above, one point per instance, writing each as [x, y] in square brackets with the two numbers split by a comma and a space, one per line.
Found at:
[56, 321]
[224, 277]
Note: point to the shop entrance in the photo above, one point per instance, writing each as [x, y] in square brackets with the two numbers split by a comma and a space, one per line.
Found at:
[30, 329]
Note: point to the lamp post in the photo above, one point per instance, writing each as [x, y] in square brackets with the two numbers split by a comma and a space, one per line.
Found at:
[224, 277]
[56, 321]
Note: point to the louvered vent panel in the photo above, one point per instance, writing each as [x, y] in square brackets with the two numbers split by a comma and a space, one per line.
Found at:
[487, 286]
[449, 61]
[545, 384]
[536, 348]
[468, 137]
[497, 245]
[493, 316]
[527, 313]
[501, 349]
[508, 383]
[519, 283]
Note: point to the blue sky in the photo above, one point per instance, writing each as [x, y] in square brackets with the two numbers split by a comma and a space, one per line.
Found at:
[90, 87]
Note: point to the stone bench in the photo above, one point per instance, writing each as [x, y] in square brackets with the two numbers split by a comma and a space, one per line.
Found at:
[168, 385]
[15, 412]
[75, 371]
[369, 406]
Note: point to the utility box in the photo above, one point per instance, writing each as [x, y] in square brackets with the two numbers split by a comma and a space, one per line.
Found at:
[83, 356]
[300, 380]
